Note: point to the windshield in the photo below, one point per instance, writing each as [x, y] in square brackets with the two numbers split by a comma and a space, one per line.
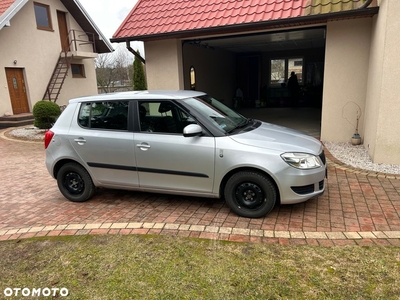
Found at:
[218, 113]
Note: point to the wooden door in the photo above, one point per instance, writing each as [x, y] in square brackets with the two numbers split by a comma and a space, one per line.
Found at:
[63, 29]
[17, 90]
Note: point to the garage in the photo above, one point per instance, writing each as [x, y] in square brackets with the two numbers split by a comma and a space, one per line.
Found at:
[250, 72]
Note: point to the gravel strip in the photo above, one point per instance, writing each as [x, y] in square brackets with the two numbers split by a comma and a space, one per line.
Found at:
[357, 156]
[27, 133]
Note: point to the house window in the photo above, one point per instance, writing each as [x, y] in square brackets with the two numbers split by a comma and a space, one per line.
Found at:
[78, 71]
[43, 18]
[281, 69]
[192, 78]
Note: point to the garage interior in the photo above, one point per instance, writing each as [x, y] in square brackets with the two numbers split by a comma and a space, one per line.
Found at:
[262, 64]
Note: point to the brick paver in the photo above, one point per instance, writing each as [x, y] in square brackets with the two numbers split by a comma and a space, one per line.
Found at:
[358, 207]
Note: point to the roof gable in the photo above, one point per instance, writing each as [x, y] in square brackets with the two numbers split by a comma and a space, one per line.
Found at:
[8, 9]
[158, 17]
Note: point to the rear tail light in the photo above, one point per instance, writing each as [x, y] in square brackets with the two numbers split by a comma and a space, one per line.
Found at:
[47, 138]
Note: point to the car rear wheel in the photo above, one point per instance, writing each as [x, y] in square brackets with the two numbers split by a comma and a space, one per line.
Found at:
[250, 194]
[75, 182]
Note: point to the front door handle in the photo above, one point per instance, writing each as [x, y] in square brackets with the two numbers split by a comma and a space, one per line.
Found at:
[143, 146]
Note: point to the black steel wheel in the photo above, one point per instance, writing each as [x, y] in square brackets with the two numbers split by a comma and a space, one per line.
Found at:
[250, 194]
[75, 182]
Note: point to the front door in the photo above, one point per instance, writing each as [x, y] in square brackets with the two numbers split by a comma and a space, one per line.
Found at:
[166, 160]
[17, 90]
[63, 29]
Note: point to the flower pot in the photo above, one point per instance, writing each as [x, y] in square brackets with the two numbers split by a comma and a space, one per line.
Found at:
[356, 139]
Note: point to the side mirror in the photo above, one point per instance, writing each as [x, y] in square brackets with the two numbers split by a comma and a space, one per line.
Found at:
[192, 130]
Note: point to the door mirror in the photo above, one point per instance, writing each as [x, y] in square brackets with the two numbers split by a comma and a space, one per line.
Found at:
[192, 130]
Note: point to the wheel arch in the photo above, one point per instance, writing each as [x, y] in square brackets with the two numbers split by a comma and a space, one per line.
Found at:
[248, 169]
[62, 162]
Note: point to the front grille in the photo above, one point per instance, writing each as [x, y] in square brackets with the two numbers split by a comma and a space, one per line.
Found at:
[303, 190]
[322, 157]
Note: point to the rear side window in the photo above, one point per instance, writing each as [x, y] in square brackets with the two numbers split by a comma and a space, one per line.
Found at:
[104, 115]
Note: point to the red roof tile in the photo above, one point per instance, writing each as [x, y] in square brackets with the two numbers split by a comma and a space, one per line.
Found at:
[153, 17]
[4, 5]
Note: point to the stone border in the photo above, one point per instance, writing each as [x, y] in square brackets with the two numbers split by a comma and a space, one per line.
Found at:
[201, 231]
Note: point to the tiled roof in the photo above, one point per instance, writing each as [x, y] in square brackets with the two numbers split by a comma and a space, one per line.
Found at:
[154, 17]
[4, 5]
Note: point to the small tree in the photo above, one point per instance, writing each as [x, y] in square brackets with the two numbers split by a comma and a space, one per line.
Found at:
[45, 114]
[139, 77]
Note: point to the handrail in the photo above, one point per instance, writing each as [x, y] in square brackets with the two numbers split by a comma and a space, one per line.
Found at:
[77, 38]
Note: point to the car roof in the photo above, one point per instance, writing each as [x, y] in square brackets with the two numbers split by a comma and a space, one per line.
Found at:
[141, 95]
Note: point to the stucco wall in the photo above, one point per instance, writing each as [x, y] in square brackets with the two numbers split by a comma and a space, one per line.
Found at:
[382, 124]
[215, 71]
[164, 66]
[37, 51]
[345, 79]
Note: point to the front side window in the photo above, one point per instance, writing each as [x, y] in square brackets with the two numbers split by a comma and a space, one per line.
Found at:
[163, 117]
[104, 115]
[43, 18]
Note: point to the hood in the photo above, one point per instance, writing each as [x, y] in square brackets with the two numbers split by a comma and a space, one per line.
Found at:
[279, 138]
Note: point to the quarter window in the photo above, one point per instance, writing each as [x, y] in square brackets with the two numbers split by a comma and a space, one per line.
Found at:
[104, 115]
[43, 18]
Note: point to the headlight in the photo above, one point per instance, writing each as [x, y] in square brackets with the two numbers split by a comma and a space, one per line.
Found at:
[302, 160]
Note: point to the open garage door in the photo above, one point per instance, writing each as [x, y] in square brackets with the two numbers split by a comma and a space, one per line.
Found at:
[251, 72]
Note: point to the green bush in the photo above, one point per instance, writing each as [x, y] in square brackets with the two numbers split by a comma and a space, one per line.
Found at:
[45, 114]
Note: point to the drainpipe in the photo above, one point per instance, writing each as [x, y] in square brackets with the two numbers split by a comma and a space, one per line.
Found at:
[128, 46]
[366, 4]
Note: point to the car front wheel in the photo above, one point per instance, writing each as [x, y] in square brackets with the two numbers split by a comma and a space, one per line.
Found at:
[250, 194]
[75, 182]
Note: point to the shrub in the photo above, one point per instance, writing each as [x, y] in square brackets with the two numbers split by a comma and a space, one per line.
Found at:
[45, 114]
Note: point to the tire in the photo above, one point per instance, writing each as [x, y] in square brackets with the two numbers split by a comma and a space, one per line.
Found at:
[250, 194]
[75, 183]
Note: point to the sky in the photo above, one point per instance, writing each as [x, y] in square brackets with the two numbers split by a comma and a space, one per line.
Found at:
[108, 16]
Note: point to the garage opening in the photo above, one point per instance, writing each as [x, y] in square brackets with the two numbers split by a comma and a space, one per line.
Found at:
[251, 73]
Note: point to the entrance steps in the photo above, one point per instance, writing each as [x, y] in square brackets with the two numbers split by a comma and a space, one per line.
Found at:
[16, 120]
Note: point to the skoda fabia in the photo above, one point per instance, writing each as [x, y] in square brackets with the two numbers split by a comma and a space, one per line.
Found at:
[181, 142]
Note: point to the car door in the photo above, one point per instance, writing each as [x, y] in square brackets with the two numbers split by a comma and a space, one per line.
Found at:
[166, 160]
[103, 142]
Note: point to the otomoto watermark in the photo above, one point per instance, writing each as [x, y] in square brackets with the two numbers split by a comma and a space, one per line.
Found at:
[35, 292]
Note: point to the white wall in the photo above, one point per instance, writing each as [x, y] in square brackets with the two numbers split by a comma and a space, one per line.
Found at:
[382, 125]
[164, 66]
[345, 78]
[37, 51]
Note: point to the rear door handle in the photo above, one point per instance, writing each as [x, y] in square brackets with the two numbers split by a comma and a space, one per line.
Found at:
[80, 141]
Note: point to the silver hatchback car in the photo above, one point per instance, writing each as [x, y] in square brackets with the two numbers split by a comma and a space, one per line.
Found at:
[181, 142]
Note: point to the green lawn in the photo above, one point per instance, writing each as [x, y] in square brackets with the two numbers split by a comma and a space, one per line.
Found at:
[164, 267]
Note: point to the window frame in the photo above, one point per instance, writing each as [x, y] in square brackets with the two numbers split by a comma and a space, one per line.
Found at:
[287, 70]
[81, 73]
[49, 20]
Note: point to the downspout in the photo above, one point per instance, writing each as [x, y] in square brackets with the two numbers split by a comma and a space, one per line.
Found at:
[128, 46]
[366, 4]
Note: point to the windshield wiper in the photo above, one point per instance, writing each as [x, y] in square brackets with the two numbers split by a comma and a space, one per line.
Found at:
[241, 126]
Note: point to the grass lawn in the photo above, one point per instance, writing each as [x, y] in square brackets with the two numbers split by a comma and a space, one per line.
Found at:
[164, 267]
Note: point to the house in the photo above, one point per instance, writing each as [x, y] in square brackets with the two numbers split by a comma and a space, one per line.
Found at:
[344, 52]
[47, 52]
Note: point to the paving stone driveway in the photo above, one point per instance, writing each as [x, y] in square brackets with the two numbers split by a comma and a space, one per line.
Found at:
[357, 208]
